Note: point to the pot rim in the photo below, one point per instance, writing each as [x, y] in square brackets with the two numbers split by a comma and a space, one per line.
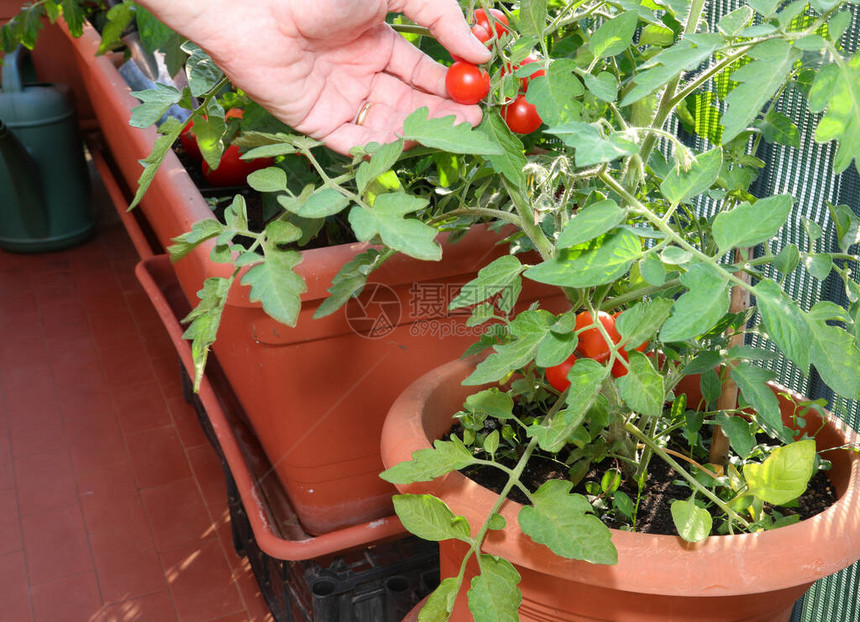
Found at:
[719, 566]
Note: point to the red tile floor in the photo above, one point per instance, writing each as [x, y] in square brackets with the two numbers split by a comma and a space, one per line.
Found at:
[112, 503]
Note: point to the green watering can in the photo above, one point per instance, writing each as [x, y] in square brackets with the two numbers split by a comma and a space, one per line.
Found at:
[45, 200]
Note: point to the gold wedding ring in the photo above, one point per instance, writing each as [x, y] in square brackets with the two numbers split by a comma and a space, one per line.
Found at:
[362, 113]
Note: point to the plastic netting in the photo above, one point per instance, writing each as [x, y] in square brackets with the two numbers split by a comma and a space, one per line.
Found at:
[806, 174]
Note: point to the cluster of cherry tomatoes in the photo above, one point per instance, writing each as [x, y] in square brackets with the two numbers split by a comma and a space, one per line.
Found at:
[233, 170]
[469, 84]
[591, 345]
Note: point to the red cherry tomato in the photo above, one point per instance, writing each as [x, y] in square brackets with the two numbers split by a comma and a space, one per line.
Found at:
[591, 341]
[467, 83]
[557, 374]
[234, 113]
[189, 142]
[521, 116]
[482, 33]
[500, 21]
[233, 171]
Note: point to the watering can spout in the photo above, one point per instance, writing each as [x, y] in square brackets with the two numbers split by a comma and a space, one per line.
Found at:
[24, 173]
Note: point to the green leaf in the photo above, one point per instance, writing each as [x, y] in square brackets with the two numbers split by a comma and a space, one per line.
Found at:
[532, 18]
[555, 94]
[349, 281]
[440, 603]
[847, 226]
[642, 387]
[443, 134]
[493, 402]
[429, 518]
[387, 220]
[603, 86]
[841, 122]
[683, 185]
[555, 348]
[818, 265]
[784, 475]
[652, 269]
[788, 259]
[428, 464]
[640, 322]
[600, 261]
[381, 161]
[698, 310]
[656, 35]
[590, 222]
[785, 322]
[73, 14]
[498, 275]
[685, 55]
[204, 321]
[528, 328]
[738, 430]
[156, 101]
[201, 231]
[494, 596]
[760, 80]
[118, 17]
[732, 23]
[750, 224]
[564, 523]
[692, 522]
[765, 7]
[203, 74]
[778, 128]
[169, 132]
[275, 284]
[752, 381]
[512, 160]
[271, 179]
[614, 36]
[586, 378]
[836, 357]
[319, 203]
[591, 147]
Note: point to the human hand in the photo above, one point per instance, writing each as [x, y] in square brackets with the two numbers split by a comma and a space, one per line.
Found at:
[331, 69]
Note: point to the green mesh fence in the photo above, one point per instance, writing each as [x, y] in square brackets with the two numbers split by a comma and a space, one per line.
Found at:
[806, 174]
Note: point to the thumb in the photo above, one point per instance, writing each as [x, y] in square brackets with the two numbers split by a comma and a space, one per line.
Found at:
[446, 22]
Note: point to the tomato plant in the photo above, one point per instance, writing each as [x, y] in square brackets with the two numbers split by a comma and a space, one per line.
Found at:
[500, 21]
[467, 83]
[521, 116]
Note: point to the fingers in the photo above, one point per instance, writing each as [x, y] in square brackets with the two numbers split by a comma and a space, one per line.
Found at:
[446, 22]
[414, 67]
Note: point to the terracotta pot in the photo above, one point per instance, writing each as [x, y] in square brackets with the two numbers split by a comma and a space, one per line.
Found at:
[749, 577]
[317, 394]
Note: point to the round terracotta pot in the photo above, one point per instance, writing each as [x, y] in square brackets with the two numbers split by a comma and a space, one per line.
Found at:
[749, 577]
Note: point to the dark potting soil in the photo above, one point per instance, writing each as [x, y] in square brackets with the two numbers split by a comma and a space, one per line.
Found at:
[653, 516]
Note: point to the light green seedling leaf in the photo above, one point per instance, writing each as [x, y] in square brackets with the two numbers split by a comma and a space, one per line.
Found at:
[836, 357]
[564, 523]
[529, 328]
[156, 101]
[498, 275]
[692, 522]
[614, 36]
[847, 226]
[495, 403]
[732, 23]
[201, 231]
[556, 94]
[203, 73]
[349, 281]
[778, 128]
[840, 88]
[657, 35]
[698, 310]
[319, 203]
[592, 221]
[652, 269]
[784, 475]
[440, 603]
[818, 265]
[532, 17]
[494, 595]
[752, 381]
[443, 134]
[591, 147]
[274, 283]
[750, 224]
[204, 321]
[428, 464]
[603, 86]
[738, 430]
[511, 161]
[686, 54]
[381, 161]
[429, 518]
[271, 179]
[786, 324]
[387, 220]
[642, 387]
[599, 261]
[682, 185]
[642, 321]
[555, 348]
